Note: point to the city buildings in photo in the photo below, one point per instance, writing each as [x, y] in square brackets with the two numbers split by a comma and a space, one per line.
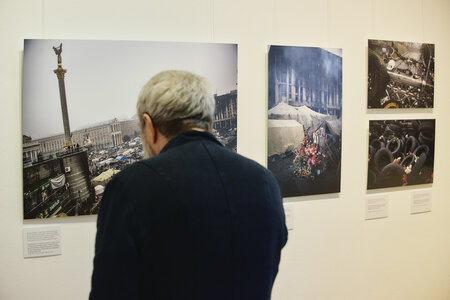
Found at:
[305, 119]
[79, 113]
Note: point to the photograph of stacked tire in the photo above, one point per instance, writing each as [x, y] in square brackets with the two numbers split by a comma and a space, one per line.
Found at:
[401, 152]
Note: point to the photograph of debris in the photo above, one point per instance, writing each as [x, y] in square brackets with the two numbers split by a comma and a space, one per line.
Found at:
[401, 152]
[305, 124]
[79, 113]
[400, 75]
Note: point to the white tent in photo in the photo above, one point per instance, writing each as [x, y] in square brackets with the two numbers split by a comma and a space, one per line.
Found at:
[283, 111]
[307, 117]
[284, 135]
[311, 119]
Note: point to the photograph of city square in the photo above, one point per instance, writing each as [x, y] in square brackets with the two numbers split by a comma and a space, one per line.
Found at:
[79, 120]
[401, 74]
[305, 124]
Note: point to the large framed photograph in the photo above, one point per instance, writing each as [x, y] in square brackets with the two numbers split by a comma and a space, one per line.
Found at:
[400, 74]
[305, 124]
[401, 153]
[79, 113]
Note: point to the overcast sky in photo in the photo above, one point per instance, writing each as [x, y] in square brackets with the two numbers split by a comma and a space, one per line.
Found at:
[104, 78]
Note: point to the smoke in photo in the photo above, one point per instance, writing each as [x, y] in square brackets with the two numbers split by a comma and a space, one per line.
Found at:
[305, 124]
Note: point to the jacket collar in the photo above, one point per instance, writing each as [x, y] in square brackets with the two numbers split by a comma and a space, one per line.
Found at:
[189, 136]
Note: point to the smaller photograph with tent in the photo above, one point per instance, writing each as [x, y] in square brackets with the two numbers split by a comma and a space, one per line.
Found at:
[401, 153]
[400, 74]
[305, 124]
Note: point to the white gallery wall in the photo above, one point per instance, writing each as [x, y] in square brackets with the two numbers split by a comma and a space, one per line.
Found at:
[332, 252]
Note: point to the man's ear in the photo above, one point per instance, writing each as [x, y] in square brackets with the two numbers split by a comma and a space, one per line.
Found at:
[151, 134]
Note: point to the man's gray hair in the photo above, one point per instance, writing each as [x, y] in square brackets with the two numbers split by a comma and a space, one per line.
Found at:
[176, 101]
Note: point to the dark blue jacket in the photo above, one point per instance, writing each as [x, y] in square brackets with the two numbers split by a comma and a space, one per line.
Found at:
[195, 222]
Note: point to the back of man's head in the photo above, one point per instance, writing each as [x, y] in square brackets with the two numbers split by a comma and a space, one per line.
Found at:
[176, 101]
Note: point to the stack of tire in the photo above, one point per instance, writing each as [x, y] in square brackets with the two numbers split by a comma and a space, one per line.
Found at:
[400, 153]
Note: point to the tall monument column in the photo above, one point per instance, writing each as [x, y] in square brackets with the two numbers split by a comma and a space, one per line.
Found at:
[60, 72]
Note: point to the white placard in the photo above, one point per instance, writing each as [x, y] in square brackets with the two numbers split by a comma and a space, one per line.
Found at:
[420, 202]
[289, 213]
[41, 241]
[376, 207]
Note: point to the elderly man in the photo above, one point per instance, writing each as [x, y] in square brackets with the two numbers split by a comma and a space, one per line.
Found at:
[195, 221]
